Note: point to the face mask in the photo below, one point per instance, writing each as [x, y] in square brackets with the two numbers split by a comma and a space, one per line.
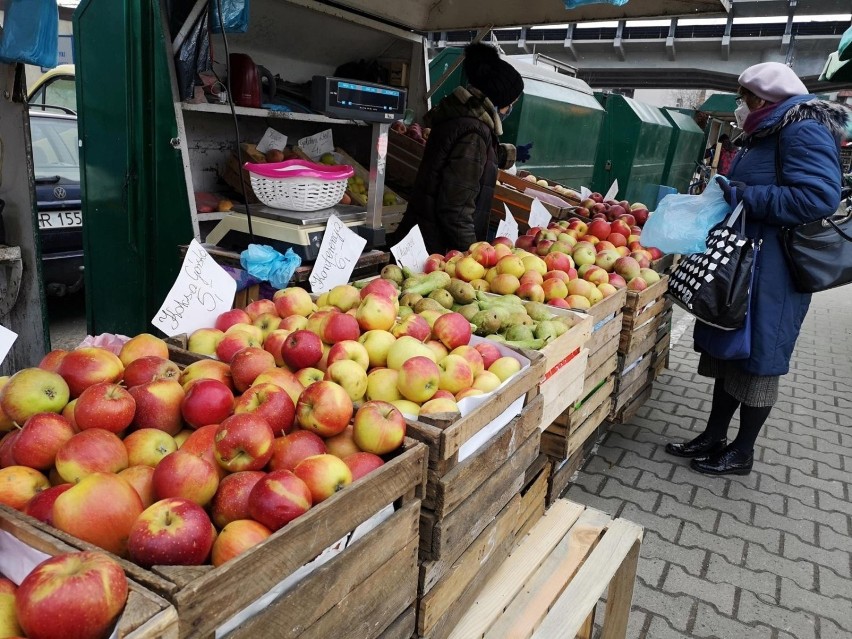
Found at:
[741, 113]
[505, 115]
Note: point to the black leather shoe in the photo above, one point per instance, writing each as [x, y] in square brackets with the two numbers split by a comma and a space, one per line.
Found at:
[730, 461]
[701, 446]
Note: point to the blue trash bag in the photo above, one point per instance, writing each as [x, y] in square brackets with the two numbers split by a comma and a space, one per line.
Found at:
[235, 15]
[573, 4]
[681, 222]
[31, 33]
[267, 264]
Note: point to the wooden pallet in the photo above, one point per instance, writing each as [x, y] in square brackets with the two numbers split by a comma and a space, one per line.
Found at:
[403, 627]
[403, 160]
[551, 584]
[206, 597]
[562, 472]
[520, 183]
[145, 615]
[533, 495]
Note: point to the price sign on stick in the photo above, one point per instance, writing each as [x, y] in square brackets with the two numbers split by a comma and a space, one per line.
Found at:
[7, 338]
[411, 251]
[508, 227]
[613, 191]
[584, 193]
[539, 216]
[337, 257]
[316, 145]
[203, 290]
[272, 139]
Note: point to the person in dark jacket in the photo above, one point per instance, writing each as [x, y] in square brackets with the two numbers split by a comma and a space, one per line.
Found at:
[451, 199]
[787, 173]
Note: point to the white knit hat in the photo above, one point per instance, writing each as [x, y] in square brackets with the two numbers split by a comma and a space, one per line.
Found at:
[772, 81]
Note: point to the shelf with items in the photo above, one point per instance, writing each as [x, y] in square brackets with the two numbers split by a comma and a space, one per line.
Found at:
[224, 109]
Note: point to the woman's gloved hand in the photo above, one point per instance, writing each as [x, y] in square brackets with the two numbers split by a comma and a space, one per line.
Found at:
[731, 191]
[523, 152]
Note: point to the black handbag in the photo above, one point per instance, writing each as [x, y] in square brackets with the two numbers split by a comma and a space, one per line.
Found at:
[715, 285]
[819, 254]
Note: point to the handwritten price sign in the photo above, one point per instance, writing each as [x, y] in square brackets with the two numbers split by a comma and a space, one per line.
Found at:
[202, 291]
[338, 254]
[317, 145]
[411, 251]
[508, 227]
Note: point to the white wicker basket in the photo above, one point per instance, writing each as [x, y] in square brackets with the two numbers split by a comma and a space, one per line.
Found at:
[296, 191]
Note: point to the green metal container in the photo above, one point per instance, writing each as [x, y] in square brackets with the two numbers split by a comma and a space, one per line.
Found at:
[556, 112]
[135, 203]
[632, 149]
[685, 150]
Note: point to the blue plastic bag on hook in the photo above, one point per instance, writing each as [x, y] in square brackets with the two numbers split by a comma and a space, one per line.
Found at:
[267, 264]
[31, 32]
[235, 16]
[573, 4]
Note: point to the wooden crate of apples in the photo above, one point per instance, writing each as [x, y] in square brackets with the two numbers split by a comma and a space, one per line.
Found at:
[194, 478]
[48, 590]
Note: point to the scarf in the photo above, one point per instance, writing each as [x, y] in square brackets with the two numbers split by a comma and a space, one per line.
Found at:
[756, 118]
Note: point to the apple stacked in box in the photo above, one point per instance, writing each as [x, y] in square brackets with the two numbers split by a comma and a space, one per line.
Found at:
[413, 131]
[564, 191]
[85, 589]
[613, 210]
[180, 467]
[570, 264]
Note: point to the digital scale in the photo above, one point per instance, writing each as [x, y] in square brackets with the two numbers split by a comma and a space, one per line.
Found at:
[357, 100]
[299, 230]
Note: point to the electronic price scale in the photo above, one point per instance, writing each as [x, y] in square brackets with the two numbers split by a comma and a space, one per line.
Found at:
[300, 230]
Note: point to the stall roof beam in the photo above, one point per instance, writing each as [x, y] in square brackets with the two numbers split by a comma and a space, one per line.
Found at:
[442, 15]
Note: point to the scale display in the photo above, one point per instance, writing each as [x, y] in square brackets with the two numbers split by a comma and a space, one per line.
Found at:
[352, 99]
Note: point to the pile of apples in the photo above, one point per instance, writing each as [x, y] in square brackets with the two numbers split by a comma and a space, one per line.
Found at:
[569, 264]
[86, 589]
[413, 131]
[563, 191]
[612, 210]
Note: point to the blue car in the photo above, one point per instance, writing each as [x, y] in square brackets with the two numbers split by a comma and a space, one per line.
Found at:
[60, 218]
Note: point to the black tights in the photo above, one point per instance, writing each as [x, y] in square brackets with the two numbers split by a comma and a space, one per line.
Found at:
[724, 406]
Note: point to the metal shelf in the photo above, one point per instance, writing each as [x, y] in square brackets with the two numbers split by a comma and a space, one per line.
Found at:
[224, 109]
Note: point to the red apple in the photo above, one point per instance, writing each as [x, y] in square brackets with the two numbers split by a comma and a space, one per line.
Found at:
[414, 325]
[288, 451]
[182, 474]
[148, 447]
[376, 312]
[143, 345]
[302, 349]
[352, 350]
[148, 369]
[91, 451]
[235, 316]
[270, 402]
[204, 341]
[51, 361]
[171, 532]
[31, 391]
[381, 287]
[324, 408]
[600, 229]
[87, 366]
[236, 538]
[260, 307]
[19, 484]
[6, 445]
[489, 352]
[243, 442]
[339, 327]
[40, 506]
[206, 369]
[452, 329]
[100, 509]
[232, 497]
[40, 439]
[419, 378]
[361, 464]
[279, 498]
[324, 475]
[247, 364]
[274, 341]
[379, 427]
[202, 443]
[282, 378]
[158, 405]
[235, 341]
[207, 401]
[77, 595]
[105, 405]
[293, 301]
[142, 480]
[343, 444]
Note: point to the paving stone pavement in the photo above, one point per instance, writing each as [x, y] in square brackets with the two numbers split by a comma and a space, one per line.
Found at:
[768, 555]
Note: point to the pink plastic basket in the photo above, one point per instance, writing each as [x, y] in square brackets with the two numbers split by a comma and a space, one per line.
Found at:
[298, 185]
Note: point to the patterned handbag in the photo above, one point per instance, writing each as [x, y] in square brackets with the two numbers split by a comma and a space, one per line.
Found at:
[715, 285]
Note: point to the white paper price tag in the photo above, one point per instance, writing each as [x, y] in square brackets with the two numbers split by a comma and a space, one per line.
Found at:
[7, 339]
[337, 257]
[539, 216]
[411, 251]
[203, 290]
[613, 191]
[508, 226]
[272, 139]
[316, 145]
[584, 193]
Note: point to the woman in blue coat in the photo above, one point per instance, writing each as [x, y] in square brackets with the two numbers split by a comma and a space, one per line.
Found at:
[786, 173]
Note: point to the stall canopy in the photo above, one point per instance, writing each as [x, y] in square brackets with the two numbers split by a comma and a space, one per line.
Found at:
[441, 15]
[720, 105]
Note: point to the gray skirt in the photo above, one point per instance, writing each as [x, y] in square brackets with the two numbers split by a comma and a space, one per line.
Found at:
[752, 390]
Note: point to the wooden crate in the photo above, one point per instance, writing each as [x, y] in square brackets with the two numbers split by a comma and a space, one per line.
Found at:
[344, 158]
[666, 264]
[519, 205]
[403, 159]
[563, 471]
[520, 183]
[145, 616]
[533, 495]
[206, 597]
[607, 308]
[551, 585]
[403, 627]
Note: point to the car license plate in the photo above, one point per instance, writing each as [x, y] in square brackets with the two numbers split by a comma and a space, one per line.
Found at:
[59, 219]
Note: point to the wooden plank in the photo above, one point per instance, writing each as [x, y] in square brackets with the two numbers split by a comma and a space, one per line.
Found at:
[602, 355]
[403, 627]
[321, 591]
[636, 372]
[634, 321]
[640, 299]
[519, 183]
[515, 571]
[581, 414]
[532, 472]
[665, 264]
[629, 339]
[445, 493]
[452, 534]
[571, 609]
[637, 349]
[607, 368]
[557, 352]
[606, 335]
[443, 583]
[530, 606]
[588, 428]
[629, 411]
[533, 502]
[564, 388]
[620, 595]
[608, 306]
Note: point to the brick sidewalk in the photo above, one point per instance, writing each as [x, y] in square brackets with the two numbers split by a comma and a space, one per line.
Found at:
[764, 556]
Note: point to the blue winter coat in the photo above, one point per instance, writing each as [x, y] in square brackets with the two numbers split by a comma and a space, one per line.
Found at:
[807, 131]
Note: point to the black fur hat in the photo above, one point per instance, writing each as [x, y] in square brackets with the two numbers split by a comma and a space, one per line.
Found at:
[496, 78]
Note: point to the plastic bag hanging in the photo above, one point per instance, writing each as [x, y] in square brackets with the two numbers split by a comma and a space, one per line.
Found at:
[265, 263]
[235, 16]
[573, 4]
[31, 33]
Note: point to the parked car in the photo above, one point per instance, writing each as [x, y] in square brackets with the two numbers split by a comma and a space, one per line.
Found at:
[60, 218]
[55, 88]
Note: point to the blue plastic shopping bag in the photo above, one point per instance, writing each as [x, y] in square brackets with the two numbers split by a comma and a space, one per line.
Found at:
[31, 33]
[681, 222]
[267, 264]
[235, 15]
